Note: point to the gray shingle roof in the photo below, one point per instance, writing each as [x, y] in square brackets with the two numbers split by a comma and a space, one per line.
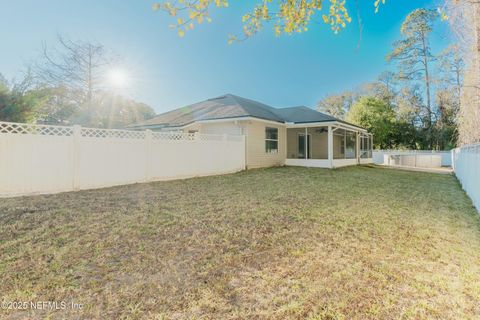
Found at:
[303, 115]
[231, 106]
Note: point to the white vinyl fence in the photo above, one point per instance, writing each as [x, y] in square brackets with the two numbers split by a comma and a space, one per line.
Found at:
[46, 159]
[378, 155]
[466, 164]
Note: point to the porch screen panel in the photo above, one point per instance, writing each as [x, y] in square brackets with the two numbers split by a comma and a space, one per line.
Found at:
[318, 142]
[350, 145]
[366, 147]
[339, 144]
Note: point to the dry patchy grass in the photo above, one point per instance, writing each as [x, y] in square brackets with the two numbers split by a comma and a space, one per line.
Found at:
[278, 243]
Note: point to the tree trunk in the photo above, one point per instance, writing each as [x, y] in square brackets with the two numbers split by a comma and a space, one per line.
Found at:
[89, 85]
[427, 87]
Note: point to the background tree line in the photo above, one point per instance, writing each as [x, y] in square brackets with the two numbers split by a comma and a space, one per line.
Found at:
[464, 17]
[66, 85]
[416, 105]
[444, 89]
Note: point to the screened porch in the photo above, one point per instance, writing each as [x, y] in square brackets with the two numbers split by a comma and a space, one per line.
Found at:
[328, 146]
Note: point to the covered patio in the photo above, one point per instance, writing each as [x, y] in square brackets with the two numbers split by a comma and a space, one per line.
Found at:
[327, 145]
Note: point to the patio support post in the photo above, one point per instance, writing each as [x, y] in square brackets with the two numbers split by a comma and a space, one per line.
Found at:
[371, 145]
[330, 146]
[357, 151]
[306, 143]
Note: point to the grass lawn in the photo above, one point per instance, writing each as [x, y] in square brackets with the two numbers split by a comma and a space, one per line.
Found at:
[278, 243]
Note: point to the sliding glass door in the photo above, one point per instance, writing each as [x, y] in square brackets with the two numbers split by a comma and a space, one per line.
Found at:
[302, 147]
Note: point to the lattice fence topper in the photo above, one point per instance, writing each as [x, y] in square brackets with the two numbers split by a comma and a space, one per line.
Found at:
[38, 129]
[112, 133]
[64, 131]
[175, 136]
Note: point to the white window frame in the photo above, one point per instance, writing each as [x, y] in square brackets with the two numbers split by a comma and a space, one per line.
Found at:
[267, 139]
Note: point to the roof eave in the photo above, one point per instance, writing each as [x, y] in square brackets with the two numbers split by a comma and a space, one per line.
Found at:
[324, 123]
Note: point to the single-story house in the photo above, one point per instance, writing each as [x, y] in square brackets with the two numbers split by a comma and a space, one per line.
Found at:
[296, 136]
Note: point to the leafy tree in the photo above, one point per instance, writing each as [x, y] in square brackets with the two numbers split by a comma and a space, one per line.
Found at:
[111, 110]
[336, 105]
[378, 118]
[59, 107]
[414, 57]
[18, 101]
[448, 97]
[115, 111]
[409, 104]
[446, 126]
[287, 16]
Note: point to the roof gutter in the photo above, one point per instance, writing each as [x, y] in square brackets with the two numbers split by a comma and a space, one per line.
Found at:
[239, 118]
[325, 123]
[340, 124]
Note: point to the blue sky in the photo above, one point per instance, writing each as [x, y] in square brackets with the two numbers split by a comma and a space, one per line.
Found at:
[168, 72]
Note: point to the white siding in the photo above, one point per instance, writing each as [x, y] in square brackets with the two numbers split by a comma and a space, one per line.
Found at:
[256, 156]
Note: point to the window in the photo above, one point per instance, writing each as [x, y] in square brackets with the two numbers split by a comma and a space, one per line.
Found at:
[271, 140]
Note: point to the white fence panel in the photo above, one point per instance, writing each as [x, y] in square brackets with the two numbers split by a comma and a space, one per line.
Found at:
[31, 163]
[466, 164]
[378, 155]
[46, 159]
[110, 161]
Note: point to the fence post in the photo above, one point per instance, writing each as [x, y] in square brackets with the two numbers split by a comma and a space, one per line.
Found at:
[77, 135]
[452, 158]
[244, 140]
[148, 155]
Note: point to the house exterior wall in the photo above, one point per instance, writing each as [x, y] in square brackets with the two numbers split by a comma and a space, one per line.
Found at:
[255, 138]
[257, 157]
[230, 127]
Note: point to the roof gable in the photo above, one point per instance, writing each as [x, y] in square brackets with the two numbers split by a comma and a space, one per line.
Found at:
[226, 106]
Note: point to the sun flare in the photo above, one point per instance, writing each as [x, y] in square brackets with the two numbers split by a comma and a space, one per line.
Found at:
[118, 78]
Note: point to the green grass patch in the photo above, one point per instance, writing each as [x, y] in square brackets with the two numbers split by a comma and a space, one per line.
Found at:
[277, 243]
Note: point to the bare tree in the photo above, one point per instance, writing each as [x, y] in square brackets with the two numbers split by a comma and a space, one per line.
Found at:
[77, 65]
